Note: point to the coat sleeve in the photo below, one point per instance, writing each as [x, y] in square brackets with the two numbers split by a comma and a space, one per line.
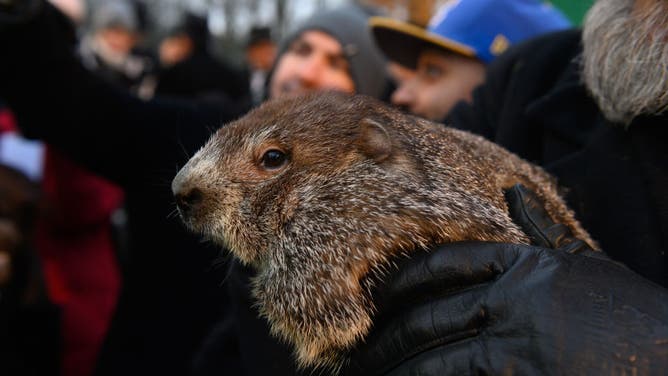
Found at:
[109, 131]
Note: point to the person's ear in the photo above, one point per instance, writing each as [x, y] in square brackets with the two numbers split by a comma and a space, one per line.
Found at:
[374, 141]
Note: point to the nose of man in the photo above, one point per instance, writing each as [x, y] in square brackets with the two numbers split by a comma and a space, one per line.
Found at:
[403, 96]
[310, 72]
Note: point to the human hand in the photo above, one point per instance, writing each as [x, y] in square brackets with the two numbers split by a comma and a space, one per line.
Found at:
[489, 308]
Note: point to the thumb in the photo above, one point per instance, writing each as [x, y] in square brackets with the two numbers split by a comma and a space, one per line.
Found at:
[526, 210]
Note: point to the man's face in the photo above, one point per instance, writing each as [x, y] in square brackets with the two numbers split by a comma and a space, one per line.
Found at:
[175, 49]
[441, 80]
[313, 61]
[261, 55]
[118, 39]
[625, 57]
[399, 73]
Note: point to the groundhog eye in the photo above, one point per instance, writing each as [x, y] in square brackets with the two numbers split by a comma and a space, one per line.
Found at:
[273, 159]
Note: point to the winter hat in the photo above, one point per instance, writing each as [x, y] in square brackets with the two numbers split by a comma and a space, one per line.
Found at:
[258, 34]
[116, 13]
[349, 26]
[481, 29]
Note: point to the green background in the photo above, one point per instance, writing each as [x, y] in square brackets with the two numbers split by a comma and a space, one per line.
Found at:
[574, 9]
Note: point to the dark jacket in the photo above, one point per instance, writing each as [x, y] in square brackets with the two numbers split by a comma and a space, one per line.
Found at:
[170, 296]
[201, 75]
[534, 103]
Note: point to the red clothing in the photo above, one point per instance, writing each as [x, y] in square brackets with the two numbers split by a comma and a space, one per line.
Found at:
[7, 122]
[74, 241]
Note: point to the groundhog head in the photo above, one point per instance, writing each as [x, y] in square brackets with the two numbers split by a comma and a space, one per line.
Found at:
[318, 193]
[295, 189]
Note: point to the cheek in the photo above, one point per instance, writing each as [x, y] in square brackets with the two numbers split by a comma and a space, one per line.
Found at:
[456, 89]
[470, 77]
[284, 71]
[438, 98]
[337, 80]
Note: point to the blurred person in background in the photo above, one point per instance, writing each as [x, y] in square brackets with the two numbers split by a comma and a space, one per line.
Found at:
[30, 329]
[333, 53]
[188, 69]
[75, 240]
[75, 237]
[450, 56]
[260, 55]
[590, 106]
[109, 45]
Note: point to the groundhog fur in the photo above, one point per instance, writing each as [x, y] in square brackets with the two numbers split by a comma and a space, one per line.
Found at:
[319, 192]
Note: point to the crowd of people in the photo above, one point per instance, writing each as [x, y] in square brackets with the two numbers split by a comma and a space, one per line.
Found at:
[99, 277]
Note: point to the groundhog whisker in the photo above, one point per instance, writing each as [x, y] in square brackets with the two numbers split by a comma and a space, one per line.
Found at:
[223, 260]
[185, 151]
[174, 213]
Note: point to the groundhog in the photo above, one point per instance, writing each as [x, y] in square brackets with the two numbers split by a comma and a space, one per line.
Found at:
[320, 192]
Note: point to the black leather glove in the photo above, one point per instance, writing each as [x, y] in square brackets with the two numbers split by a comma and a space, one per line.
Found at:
[488, 308]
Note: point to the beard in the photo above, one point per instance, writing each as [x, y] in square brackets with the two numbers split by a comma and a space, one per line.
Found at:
[625, 58]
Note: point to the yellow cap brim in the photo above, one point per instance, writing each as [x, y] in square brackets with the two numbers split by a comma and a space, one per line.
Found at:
[403, 42]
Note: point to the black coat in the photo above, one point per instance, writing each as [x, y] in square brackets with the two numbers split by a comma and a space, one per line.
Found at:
[616, 179]
[202, 75]
[170, 297]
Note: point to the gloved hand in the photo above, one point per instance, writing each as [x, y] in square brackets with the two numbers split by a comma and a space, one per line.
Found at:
[488, 308]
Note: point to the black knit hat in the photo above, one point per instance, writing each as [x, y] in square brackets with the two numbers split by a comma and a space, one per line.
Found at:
[348, 25]
[194, 26]
[258, 34]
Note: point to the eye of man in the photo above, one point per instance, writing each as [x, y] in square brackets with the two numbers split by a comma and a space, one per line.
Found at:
[300, 47]
[431, 71]
[339, 63]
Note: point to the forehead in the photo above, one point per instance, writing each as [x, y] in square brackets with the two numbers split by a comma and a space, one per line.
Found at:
[320, 41]
[443, 57]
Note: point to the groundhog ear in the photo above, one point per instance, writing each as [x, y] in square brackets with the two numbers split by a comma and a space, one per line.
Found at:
[374, 141]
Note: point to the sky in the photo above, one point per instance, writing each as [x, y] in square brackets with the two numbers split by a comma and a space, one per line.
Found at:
[296, 10]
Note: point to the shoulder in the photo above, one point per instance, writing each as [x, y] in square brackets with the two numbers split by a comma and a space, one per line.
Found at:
[538, 61]
[524, 75]
[551, 46]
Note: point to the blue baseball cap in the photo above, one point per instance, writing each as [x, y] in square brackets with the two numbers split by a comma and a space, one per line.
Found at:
[481, 29]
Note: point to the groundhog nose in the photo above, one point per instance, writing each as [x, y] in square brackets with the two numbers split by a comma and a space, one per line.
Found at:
[188, 201]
